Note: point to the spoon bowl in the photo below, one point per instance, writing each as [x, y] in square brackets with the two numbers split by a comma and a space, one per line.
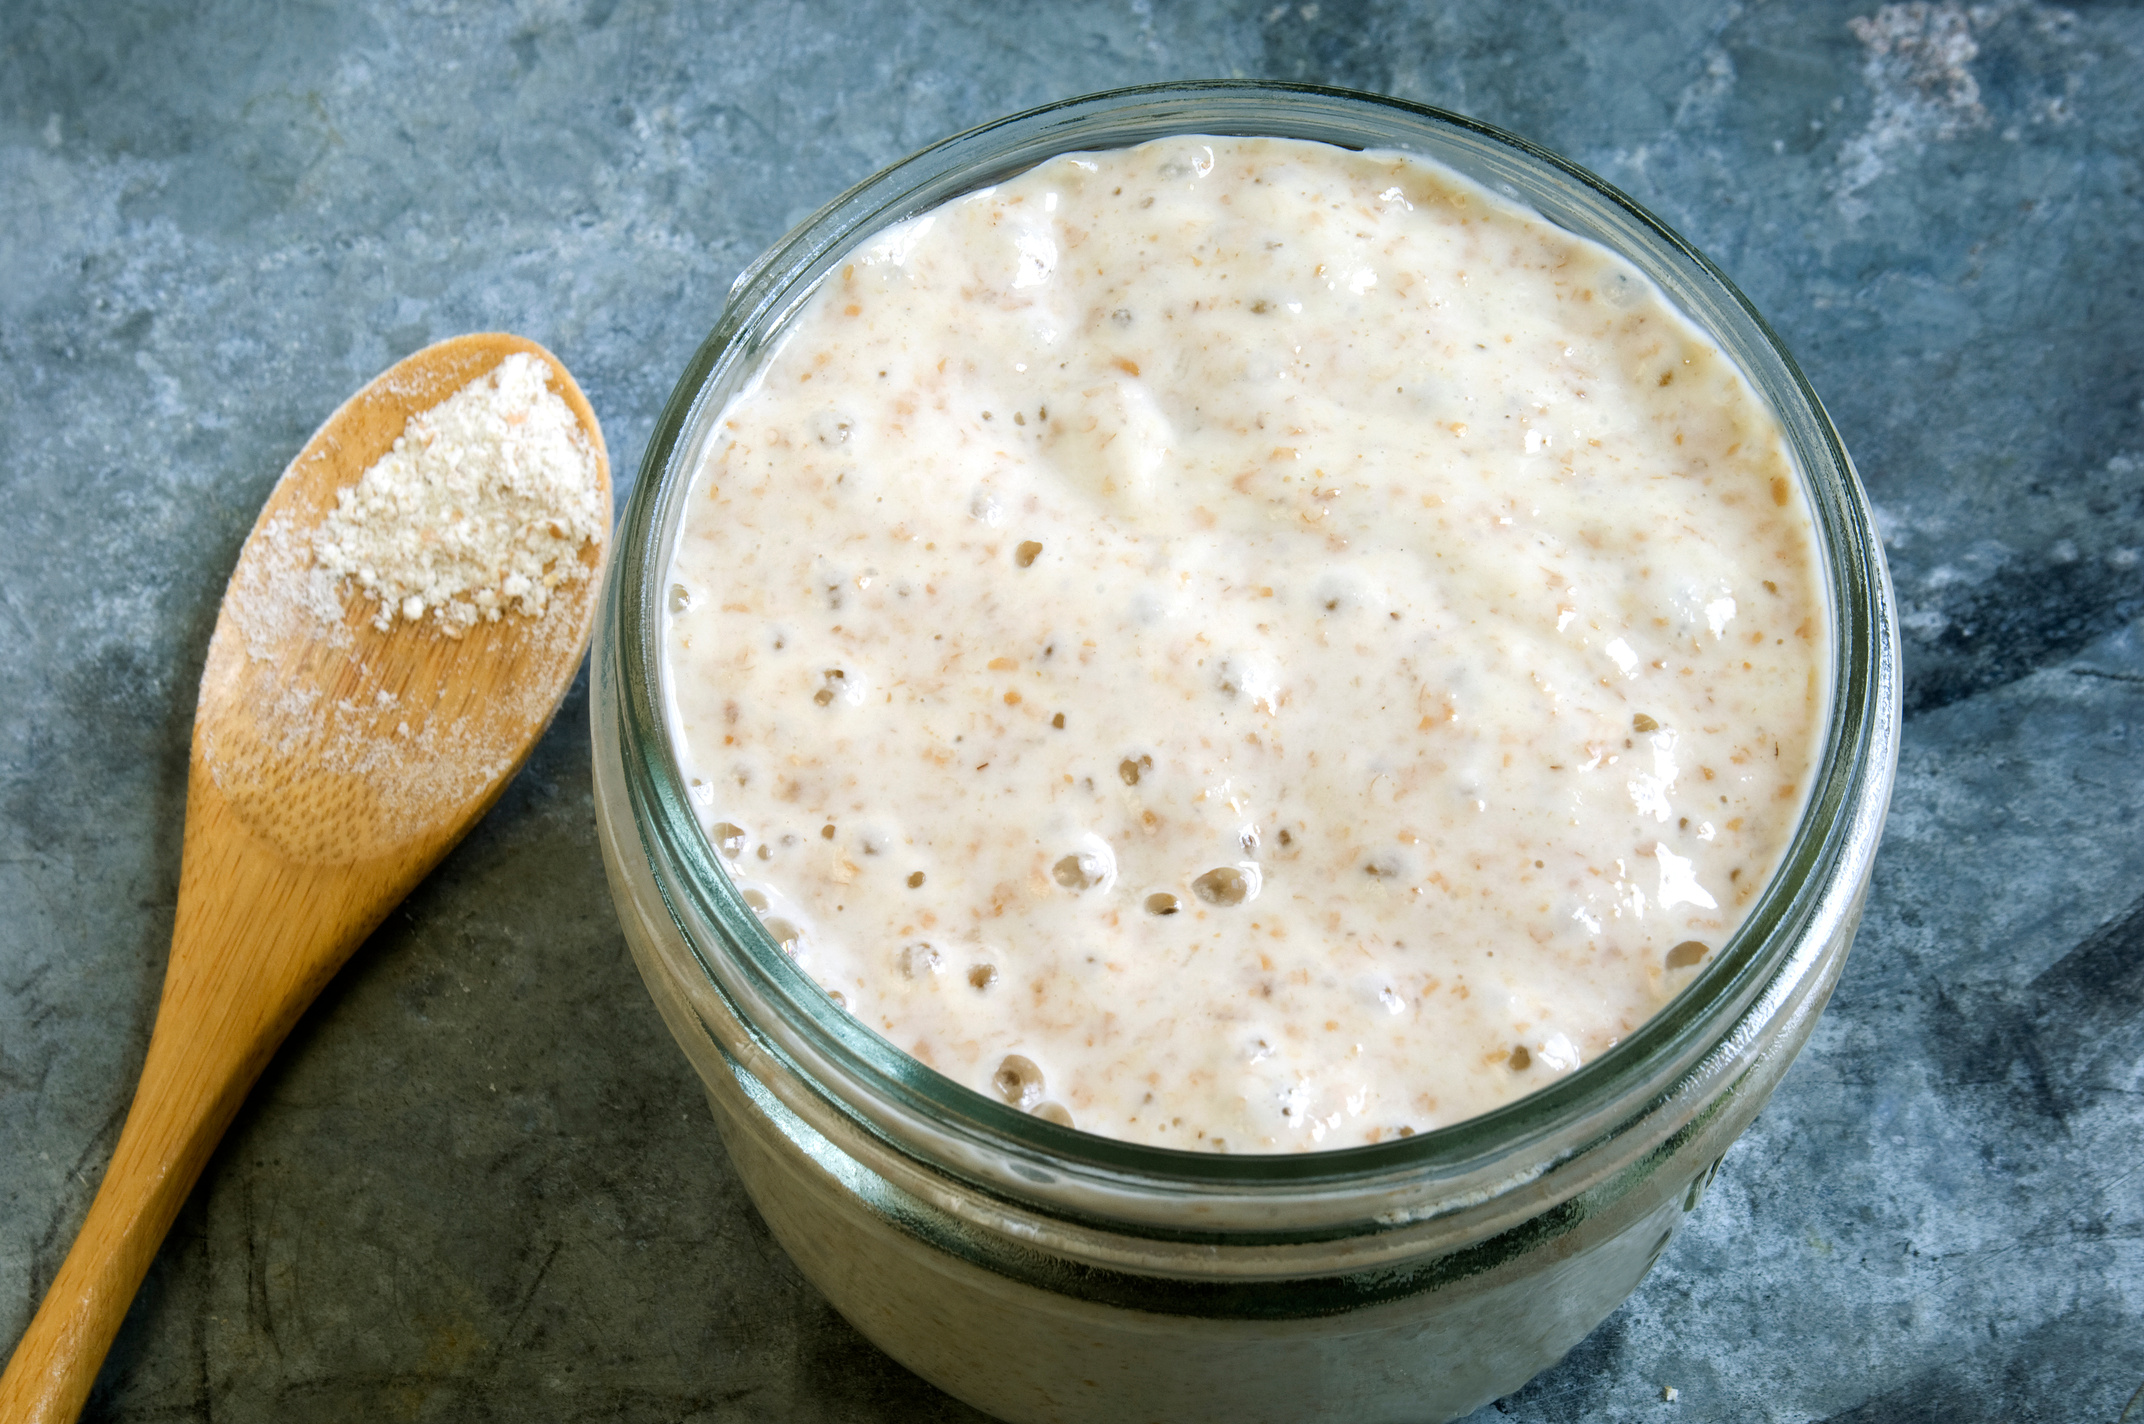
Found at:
[333, 764]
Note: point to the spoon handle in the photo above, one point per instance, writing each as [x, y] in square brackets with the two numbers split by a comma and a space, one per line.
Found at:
[256, 937]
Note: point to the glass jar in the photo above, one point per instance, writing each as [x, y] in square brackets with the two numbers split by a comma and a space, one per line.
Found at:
[1041, 1273]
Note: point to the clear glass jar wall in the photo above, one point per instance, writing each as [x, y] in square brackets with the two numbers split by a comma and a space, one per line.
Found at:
[1045, 1274]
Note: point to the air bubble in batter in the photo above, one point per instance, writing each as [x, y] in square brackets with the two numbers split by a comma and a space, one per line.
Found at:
[1019, 1082]
[1227, 884]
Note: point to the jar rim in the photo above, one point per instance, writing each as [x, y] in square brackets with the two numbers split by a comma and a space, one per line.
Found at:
[927, 1115]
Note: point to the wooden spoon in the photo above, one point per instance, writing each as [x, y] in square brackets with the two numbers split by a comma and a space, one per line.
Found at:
[332, 767]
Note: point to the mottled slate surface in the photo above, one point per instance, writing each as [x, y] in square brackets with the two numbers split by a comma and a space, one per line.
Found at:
[479, 1183]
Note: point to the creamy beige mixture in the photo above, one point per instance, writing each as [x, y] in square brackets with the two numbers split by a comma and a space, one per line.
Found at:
[1237, 644]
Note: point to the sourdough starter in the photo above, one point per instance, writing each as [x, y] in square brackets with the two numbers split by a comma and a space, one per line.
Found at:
[1240, 645]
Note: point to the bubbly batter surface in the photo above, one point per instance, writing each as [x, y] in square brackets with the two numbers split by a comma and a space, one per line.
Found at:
[1238, 644]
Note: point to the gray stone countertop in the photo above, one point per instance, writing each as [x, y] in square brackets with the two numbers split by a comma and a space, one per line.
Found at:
[480, 1182]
